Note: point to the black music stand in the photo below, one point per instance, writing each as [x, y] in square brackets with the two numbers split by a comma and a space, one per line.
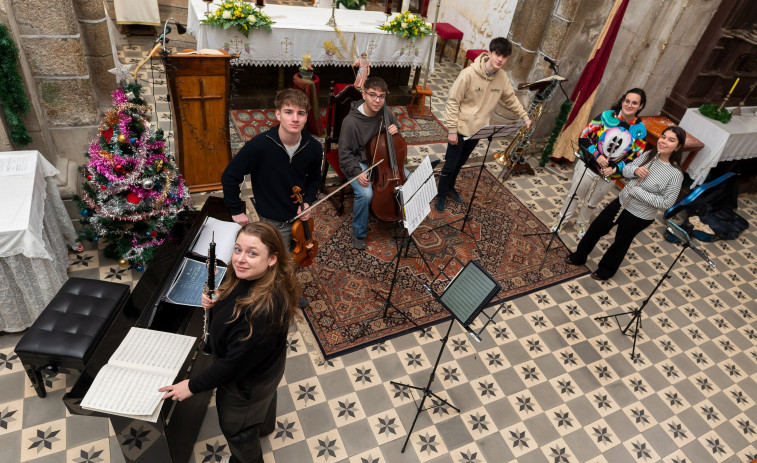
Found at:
[465, 297]
[489, 132]
[409, 205]
[686, 242]
[590, 163]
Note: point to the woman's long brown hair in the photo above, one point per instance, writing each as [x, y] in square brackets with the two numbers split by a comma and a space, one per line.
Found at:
[677, 154]
[277, 285]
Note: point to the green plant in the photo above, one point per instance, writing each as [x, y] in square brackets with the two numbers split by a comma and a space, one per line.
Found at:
[352, 4]
[12, 94]
[711, 111]
[559, 123]
[243, 16]
[408, 25]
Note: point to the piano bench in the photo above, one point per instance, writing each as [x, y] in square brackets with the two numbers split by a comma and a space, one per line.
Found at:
[69, 329]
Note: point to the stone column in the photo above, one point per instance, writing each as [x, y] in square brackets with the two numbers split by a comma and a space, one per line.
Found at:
[98, 54]
[51, 41]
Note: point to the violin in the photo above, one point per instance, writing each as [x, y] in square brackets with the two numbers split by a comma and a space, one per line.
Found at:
[306, 247]
[389, 175]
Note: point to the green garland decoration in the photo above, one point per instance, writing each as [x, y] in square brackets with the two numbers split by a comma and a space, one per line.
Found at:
[559, 124]
[711, 110]
[12, 93]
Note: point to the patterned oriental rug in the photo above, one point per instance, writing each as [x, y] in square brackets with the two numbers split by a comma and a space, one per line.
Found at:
[246, 123]
[339, 284]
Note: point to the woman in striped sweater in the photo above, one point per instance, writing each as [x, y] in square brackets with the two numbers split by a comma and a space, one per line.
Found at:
[656, 181]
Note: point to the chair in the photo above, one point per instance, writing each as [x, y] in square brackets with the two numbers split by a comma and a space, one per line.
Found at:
[339, 106]
[447, 31]
[471, 55]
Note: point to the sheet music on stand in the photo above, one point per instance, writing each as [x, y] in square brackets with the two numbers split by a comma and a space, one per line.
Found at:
[504, 130]
[416, 195]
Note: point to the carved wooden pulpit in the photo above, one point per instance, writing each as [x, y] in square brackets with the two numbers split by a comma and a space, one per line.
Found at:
[199, 87]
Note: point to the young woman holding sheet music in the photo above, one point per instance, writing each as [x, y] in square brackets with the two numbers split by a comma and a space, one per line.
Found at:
[256, 304]
[656, 181]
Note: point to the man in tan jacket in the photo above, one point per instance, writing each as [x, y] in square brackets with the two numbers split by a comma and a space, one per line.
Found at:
[469, 106]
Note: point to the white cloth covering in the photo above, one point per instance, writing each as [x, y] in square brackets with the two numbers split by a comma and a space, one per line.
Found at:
[137, 12]
[298, 30]
[34, 233]
[722, 142]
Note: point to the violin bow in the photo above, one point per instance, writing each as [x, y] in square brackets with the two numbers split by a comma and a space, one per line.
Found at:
[312, 206]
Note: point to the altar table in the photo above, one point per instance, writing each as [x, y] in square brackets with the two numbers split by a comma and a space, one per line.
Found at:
[723, 142]
[34, 232]
[298, 30]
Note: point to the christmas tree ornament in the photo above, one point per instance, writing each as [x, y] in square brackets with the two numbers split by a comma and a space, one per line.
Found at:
[89, 177]
[119, 168]
[103, 187]
[140, 268]
[154, 233]
[132, 140]
[121, 138]
[132, 198]
[95, 239]
[121, 71]
[84, 212]
[148, 184]
[123, 263]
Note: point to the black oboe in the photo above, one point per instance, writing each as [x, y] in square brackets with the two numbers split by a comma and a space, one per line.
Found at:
[210, 286]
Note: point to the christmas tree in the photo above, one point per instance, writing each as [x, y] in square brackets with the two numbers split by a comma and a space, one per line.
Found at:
[133, 191]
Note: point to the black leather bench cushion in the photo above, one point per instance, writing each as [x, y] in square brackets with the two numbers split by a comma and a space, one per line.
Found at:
[71, 326]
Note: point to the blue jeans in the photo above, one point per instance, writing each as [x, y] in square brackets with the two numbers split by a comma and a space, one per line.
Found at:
[454, 159]
[362, 204]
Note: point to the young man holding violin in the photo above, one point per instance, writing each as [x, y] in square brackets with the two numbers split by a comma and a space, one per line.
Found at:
[277, 160]
[358, 128]
[471, 101]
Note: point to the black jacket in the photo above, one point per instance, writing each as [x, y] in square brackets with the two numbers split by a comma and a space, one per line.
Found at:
[273, 174]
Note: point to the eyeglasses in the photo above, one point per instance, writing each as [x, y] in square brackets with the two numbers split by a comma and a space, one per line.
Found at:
[376, 96]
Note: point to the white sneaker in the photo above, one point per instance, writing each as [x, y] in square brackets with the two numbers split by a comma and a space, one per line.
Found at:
[581, 231]
[553, 228]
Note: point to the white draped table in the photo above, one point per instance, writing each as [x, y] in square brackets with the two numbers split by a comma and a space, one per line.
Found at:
[34, 231]
[299, 30]
[722, 142]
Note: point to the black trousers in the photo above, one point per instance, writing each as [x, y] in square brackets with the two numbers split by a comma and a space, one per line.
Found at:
[628, 227]
[247, 410]
[454, 159]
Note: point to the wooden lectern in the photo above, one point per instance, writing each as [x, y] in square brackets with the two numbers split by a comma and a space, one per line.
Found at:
[199, 86]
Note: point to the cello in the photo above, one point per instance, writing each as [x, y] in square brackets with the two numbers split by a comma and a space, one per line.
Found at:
[389, 175]
[306, 247]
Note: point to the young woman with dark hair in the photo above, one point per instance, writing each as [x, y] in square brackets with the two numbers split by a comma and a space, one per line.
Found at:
[616, 138]
[257, 302]
[656, 181]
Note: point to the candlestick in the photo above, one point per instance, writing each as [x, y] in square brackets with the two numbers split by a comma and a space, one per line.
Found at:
[388, 8]
[737, 111]
[306, 62]
[332, 20]
[734, 85]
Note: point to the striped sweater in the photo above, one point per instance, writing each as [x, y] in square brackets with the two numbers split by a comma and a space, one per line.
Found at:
[659, 190]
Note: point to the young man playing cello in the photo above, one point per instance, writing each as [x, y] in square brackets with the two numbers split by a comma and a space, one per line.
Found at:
[277, 160]
[358, 128]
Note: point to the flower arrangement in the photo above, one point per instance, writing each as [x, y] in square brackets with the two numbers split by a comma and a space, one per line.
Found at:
[240, 14]
[408, 25]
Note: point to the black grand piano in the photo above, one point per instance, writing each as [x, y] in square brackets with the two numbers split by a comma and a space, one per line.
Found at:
[172, 437]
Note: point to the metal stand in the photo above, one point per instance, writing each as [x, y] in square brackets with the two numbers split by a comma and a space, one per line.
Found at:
[636, 313]
[427, 390]
[571, 197]
[496, 133]
[404, 246]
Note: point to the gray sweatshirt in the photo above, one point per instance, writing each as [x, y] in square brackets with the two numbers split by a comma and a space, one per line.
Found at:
[357, 131]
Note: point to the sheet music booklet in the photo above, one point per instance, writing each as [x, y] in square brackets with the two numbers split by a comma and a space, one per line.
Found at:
[145, 361]
[225, 236]
[188, 287]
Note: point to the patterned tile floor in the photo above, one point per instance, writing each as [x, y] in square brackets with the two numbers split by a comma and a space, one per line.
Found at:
[547, 382]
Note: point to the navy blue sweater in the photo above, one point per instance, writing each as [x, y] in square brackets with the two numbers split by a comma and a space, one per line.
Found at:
[273, 174]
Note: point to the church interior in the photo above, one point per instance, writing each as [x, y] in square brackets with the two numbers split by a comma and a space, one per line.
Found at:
[550, 372]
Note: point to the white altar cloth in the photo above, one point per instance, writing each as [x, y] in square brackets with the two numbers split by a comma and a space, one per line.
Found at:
[33, 236]
[299, 30]
[722, 142]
